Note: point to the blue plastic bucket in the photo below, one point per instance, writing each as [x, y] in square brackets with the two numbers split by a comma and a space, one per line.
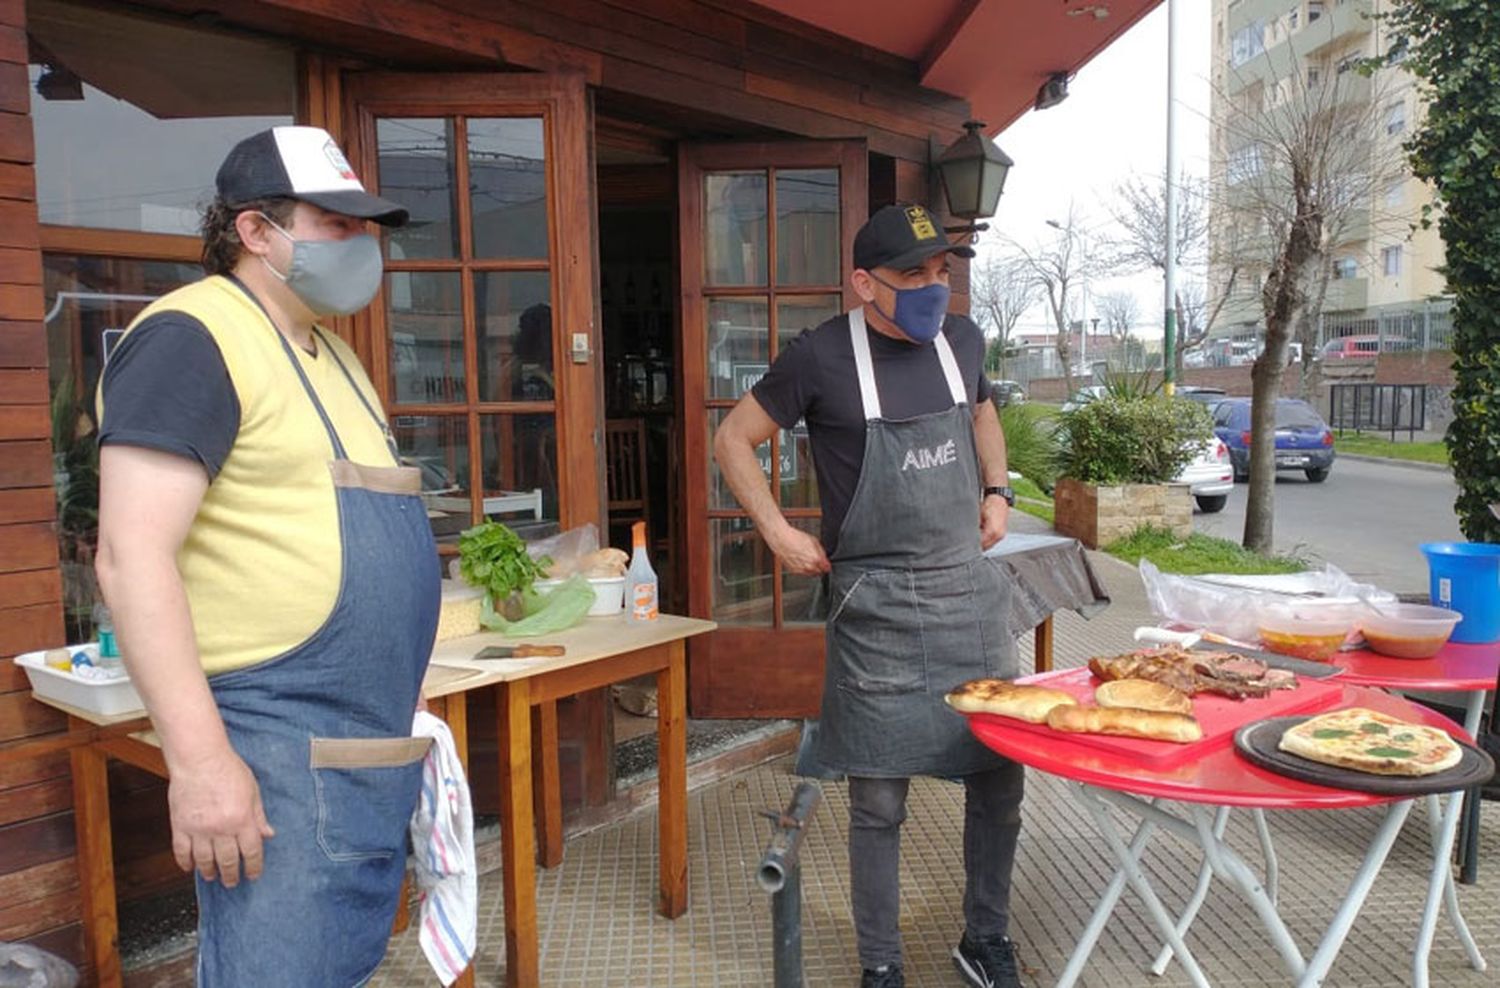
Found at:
[1465, 577]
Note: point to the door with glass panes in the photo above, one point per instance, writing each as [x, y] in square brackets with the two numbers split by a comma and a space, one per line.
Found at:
[765, 231]
[482, 343]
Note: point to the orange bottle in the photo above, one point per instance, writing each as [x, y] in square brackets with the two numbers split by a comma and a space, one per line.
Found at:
[640, 579]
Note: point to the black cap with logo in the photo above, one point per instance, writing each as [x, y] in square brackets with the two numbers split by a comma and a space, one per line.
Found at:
[901, 237]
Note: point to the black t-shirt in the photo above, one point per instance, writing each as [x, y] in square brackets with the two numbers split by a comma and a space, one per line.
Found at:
[815, 378]
[169, 389]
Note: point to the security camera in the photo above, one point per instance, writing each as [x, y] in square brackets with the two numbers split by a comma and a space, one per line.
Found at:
[1053, 91]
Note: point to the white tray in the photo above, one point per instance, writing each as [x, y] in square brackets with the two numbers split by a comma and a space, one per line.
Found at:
[117, 696]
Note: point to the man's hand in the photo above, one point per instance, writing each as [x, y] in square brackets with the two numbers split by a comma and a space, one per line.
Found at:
[800, 553]
[994, 513]
[217, 818]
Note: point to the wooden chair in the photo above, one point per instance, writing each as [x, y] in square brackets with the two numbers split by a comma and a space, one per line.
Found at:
[625, 469]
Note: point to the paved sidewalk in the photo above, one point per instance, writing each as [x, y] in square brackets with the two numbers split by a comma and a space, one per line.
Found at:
[597, 927]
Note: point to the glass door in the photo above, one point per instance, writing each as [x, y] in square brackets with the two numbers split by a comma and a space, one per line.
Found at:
[766, 231]
[483, 341]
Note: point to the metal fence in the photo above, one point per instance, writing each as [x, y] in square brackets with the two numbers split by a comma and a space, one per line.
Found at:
[1392, 328]
[1389, 408]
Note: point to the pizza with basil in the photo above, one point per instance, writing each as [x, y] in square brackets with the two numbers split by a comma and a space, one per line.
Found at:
[1370, 741]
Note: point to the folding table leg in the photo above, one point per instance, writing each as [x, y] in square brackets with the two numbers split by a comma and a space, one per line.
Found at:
[1138, 881]
[1107, 902]
[1442, 826]
[1195, 901]
[1268, 852]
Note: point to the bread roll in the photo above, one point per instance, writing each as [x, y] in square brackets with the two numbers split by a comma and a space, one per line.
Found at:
[1143, 694]
[1007, 699]
[1150, 724]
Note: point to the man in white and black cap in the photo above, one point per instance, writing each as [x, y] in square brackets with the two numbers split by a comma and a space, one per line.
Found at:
[912, 483]
[271, 572]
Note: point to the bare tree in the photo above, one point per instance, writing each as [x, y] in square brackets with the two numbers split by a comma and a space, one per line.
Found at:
[1139, 208]
[1001, 289]
[1057, 268]
[1299, 161]
[1120, 312]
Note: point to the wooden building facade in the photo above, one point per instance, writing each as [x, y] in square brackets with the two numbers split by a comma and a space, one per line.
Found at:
[621, 210]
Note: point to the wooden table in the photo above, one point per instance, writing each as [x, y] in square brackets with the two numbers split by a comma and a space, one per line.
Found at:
[600, 651]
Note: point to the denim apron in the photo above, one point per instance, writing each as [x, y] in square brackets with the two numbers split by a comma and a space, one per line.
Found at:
[916, 606]
[326, 728]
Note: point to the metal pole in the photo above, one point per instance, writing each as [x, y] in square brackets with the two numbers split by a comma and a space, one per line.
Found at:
[1169, 322]
[780, 873]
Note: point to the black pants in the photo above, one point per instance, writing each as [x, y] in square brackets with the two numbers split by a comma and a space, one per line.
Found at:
[992, 824]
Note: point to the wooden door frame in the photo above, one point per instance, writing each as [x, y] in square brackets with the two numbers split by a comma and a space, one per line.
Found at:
[563, 102]
[799, 648]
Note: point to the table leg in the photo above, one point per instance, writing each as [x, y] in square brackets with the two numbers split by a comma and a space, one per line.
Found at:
[1102, 911]
[1138, 881]
[1042, 653]
[1442, 824]
[1268, 854]
[517, 851]
[1468, 845]
[671, 740]
[549, 779]
[1195, 901]
[96, 864]
[454, 711]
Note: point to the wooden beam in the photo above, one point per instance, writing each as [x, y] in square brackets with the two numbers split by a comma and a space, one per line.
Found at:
[27, 463]
[16, 142]
[25, 589]
[119, 243]
[24, 421]
[27, 546]
[21, 302]
[96, 865]
[26, 629]
[517, 841]
[22, 344]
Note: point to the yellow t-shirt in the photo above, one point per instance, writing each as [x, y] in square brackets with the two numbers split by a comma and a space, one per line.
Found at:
[262, 561]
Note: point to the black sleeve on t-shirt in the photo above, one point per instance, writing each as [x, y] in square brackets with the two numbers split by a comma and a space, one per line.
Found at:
[166, 387]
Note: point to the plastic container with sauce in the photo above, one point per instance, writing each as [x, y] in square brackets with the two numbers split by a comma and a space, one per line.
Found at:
[1316, 635]
[1409, 631]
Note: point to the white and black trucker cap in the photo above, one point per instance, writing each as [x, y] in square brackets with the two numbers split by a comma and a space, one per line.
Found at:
[300, 163]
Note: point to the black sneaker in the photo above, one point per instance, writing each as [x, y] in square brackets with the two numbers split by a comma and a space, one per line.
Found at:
[987, 963]
[889, 976]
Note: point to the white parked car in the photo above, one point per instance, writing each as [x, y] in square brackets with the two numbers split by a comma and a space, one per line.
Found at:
[1210, 475]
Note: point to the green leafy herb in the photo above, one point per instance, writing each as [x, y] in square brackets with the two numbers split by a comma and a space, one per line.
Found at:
[1327, 733]
[1381, 752]
[1404, 736]
[494, 558]
[1370, 727]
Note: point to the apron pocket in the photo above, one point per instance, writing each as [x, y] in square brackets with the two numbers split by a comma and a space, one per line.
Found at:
[366, 789]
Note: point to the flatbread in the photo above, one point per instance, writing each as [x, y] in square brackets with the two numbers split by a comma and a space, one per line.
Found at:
[1149, 724]
[1143, 694]
[1007, 699]
[1369, 741]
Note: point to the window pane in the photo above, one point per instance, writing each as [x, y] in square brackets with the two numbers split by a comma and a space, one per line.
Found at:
[742, 573]
[515, 335]
[794, 314]
[739, 345]
[799, 484]
[508, 187]
[439, 446]
[427, 337]
[734, 235]
[417, 170]
[519, 462]
[807, 227]
[153, 94]
[803, 598]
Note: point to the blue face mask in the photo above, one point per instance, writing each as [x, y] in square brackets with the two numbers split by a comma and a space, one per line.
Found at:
[919, 311]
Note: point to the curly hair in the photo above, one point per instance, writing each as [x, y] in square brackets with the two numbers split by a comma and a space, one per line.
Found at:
[221, 242]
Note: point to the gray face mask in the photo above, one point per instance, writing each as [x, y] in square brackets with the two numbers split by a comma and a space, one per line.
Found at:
[332, 277]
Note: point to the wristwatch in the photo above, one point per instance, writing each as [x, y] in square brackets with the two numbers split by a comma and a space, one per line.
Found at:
[1005, 492]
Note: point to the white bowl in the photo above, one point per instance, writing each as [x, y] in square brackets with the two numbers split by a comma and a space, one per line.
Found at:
[609, 593]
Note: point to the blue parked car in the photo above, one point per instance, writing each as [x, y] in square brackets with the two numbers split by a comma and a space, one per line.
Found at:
[1303, 440]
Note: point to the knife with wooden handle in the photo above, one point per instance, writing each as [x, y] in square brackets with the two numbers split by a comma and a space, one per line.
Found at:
[519, 651]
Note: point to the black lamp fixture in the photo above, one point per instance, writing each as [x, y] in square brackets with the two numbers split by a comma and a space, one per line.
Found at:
[973, 171]
[58, 82]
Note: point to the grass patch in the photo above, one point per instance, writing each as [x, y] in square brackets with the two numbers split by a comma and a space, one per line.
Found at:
[1429, 452]
[1197, 554]
[1032, 499]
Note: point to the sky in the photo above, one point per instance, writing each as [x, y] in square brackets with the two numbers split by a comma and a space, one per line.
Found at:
[1112, 126]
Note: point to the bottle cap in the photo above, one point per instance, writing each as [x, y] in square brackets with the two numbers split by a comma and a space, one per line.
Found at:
[638, 534]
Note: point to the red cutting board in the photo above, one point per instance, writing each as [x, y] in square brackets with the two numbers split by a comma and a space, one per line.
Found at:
[1219, 716]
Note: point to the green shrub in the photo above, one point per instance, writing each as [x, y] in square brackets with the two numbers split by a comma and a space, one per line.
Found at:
[1031, 443]
[1135, 440]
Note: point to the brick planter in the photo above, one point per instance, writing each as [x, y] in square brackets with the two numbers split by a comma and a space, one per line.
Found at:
[1098, 516]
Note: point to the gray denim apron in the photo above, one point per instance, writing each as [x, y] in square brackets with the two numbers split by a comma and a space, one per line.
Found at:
[916, 606]
[326, 728]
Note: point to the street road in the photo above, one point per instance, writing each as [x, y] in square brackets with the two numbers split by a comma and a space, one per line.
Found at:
[1366, 518]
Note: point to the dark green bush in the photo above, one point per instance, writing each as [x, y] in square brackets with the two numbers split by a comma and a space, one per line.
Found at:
[1141, 440]
[1031, 443]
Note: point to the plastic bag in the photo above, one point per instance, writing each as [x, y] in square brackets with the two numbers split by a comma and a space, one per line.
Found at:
[1232, 605]
[566, 549]
[564, 607]
[24, 966]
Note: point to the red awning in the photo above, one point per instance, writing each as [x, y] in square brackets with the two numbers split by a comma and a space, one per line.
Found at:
[993, 53]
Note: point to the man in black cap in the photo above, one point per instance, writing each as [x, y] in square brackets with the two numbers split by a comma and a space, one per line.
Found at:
[271, 572]
[913, 484]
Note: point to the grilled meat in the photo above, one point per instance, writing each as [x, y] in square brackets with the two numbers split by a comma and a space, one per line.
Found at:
[1223, 673]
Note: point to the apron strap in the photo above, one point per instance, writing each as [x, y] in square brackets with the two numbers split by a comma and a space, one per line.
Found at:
[385, 429]
[860, 338]
[869, 394]
[950, 370]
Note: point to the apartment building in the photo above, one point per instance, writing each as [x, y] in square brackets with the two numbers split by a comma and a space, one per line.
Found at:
[1304, 56]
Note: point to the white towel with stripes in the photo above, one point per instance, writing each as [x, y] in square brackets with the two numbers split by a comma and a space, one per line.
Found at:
[442, 838]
